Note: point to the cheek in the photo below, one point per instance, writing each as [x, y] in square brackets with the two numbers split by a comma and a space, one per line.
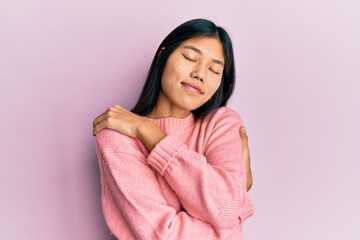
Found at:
[174, 73]
[214, 85]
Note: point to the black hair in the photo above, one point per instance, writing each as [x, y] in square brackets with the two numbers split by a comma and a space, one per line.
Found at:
[190, 29]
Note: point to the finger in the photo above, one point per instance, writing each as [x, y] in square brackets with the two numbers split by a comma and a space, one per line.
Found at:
[101, 125]
[244, 137]
[97, 127]
[243, 134]
[101, 118]
[118, 108]
[109, 112]
[105, 120]
[243, 130]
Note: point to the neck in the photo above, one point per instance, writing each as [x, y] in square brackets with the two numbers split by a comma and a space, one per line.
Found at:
[164, 108]
[159, 112]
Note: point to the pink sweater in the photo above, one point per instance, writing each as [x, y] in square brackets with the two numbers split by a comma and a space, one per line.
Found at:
[192, 185]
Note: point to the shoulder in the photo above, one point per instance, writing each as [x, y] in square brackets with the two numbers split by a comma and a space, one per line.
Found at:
[224, 116]
[108, 140]
[222, 132]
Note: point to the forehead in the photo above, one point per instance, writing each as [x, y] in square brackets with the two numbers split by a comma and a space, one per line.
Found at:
[209, 47]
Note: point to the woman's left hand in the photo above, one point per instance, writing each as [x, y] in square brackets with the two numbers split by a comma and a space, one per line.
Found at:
[246, 157]
[119, 119]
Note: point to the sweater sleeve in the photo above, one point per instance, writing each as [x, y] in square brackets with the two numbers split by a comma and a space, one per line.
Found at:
[133, 187]
[211, 187]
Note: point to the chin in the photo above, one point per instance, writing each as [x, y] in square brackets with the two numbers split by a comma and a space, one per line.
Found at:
[191, 108]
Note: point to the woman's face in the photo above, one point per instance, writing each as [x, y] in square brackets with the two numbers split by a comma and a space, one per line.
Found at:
[192, 74]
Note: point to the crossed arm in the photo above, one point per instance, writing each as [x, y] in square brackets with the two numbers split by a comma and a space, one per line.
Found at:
[218, 192]
[130, 124]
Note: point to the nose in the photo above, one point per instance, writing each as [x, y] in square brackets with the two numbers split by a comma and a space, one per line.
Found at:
[198, 73]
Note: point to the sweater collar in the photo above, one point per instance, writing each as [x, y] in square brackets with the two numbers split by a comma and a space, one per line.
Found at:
[172, 124]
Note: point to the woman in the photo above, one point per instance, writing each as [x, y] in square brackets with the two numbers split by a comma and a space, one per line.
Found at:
[172, 168]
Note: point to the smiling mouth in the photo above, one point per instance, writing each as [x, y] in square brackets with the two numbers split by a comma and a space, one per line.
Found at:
[192, 88]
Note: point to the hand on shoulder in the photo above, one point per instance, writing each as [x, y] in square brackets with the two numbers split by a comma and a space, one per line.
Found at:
[119, 119]
[129, 124]
[226, 115]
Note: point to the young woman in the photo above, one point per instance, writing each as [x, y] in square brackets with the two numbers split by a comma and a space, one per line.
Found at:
[173, 167]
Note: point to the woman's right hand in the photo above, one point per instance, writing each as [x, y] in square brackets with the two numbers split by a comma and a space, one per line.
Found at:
[246, 157]
[119, 119]
[130, 124]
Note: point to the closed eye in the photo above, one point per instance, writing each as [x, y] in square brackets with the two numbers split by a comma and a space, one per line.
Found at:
[217, 73]
[189, 59]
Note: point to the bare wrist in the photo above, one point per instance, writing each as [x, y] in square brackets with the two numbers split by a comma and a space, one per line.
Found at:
[149, 133]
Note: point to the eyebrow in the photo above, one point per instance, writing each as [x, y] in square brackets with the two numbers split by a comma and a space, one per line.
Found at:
[200, 52]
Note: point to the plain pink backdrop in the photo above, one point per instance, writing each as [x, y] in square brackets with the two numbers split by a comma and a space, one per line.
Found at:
[64, 62]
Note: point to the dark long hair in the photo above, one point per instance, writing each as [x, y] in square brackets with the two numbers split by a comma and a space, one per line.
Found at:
[190, 29]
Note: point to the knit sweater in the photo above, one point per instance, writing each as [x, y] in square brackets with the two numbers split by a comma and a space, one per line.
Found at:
[192, 185]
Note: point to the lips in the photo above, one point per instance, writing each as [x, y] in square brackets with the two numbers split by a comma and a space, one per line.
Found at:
[193, 88]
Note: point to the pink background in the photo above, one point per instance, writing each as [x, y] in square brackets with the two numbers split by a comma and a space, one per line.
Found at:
[64, 62]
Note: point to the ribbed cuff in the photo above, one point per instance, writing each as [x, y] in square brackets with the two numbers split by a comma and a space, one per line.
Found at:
[164, 153]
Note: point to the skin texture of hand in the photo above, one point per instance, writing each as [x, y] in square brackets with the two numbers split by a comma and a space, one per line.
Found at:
[246, 157]
[130, 124]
